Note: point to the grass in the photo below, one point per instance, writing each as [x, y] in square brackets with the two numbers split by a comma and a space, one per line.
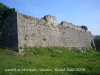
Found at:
[50, 61]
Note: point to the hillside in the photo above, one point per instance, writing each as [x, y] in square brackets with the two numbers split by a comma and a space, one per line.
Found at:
[50, 61]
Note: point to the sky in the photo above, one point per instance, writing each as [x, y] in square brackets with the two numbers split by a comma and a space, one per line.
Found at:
[78, 12]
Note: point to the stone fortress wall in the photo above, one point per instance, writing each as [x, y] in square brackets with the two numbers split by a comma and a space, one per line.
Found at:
[30, 31]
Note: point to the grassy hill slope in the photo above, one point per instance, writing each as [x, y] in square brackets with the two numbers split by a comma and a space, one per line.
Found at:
[50, 61]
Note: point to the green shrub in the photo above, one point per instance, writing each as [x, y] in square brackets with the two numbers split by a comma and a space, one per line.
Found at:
[44, 39]
[97, 43]
[20, 47]
[84, 27]
[25, 38]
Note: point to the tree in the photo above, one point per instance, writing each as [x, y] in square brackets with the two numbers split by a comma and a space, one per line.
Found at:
[84, 27]
[5, 11]
[97, 43]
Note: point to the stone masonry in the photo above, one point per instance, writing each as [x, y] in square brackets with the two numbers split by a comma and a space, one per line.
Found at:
[22, 30]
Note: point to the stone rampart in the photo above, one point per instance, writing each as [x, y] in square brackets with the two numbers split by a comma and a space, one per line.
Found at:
[30, 31]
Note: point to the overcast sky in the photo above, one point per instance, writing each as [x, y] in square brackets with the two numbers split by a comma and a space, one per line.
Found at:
[78, 12]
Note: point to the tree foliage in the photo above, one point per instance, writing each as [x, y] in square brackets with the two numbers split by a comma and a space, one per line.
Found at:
[84, 27]
[97, 43]
[5, 11]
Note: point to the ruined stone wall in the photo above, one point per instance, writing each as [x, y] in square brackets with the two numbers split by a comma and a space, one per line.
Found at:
[46, 32]
[37, 32]
[30, 31]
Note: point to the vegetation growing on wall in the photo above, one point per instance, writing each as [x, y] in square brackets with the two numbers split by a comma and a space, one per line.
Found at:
[44, 39]
[84, 27]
